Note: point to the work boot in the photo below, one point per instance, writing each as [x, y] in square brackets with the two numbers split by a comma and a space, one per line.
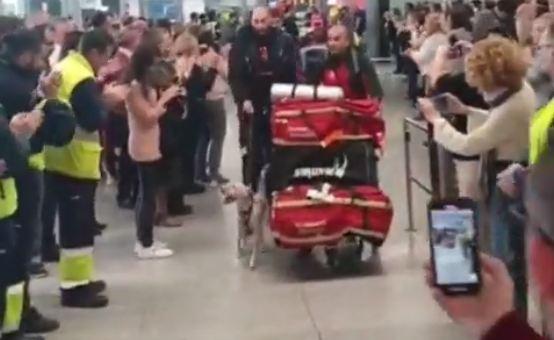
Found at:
[20, 336]
[50, 253]
[34, 322]
[83, 297]
[98, 286]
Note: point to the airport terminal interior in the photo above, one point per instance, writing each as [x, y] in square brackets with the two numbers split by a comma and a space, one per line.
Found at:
[205, 293]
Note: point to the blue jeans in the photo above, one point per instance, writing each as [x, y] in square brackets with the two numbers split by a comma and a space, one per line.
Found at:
[508, 243]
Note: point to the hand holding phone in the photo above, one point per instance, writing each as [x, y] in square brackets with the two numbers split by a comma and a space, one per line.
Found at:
[450, 104]
[440, 103]
[478, 313]
[454, 246]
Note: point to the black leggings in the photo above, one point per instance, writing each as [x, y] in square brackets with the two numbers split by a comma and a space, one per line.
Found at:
[149, 183]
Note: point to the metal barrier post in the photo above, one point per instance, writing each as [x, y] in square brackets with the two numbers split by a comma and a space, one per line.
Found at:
[410, 179]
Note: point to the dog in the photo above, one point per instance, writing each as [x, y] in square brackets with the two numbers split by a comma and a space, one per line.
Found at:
[252, 211]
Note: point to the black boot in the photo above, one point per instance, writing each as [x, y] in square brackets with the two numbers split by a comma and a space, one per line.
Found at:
[20, 336]
[83, 297]
[34, 322]
[50, 253]
[98, 286]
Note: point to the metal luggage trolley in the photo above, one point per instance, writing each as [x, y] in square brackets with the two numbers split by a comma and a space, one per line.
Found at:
[411, 125]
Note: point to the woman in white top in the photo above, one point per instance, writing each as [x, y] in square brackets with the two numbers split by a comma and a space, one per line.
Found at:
[146, 104]
[497, 68]
[434, 38]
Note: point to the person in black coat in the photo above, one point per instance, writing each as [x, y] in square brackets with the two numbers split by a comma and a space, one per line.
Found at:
[260, 57]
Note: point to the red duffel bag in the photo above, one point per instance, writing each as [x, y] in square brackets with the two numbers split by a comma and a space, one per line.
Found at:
[321, 123]
[298, 220]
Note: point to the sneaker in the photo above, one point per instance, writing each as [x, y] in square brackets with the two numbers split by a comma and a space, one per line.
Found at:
[83, 297]
[38, 270]
[156, 244]
[34, 322]
[153, 252]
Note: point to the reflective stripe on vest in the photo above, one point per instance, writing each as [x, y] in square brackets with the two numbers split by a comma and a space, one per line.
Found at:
[81, 157]
[8, 198]
[540, 125]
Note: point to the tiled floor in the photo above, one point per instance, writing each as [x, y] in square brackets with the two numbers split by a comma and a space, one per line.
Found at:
[203, 293]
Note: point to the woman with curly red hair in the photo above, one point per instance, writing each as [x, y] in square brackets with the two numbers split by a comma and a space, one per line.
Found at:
[497, 68]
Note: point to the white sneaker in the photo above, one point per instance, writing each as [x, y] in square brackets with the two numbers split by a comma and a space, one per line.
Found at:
[157, 244]
[153, 253]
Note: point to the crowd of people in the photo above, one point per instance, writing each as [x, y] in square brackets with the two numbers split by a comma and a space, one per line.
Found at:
[480, 73]
[142, 103]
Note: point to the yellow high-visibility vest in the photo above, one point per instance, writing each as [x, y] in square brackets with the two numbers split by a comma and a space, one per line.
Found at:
[8, 197]
[540, 125]
[81, 157]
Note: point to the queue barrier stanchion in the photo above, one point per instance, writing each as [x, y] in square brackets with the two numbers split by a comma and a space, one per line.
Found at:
[434, 173]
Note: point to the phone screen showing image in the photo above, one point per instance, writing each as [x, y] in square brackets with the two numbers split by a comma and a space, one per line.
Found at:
[454, 246]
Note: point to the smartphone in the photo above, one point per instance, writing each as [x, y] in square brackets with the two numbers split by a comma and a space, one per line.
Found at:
[453, 241]
[440, 102]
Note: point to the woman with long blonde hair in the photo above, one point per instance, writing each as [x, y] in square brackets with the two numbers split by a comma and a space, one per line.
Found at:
[197, 74]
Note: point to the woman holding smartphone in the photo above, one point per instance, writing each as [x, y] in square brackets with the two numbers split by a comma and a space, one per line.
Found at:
[496, 67]
[146, 106]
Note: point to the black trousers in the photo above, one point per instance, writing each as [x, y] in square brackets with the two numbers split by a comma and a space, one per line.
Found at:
[28, 217]
[127, 185]
[75, 199]
[244, 142]
[412, 72]
[12, 269]
[145, 209]
[49, 211]
[260, 143]
[193, 126]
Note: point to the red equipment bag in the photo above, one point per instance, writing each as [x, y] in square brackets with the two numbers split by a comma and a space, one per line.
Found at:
[321, 123]
[298, 221]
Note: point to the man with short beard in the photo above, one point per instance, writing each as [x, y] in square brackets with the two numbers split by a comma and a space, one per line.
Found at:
[348, 67]
[260, 57]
